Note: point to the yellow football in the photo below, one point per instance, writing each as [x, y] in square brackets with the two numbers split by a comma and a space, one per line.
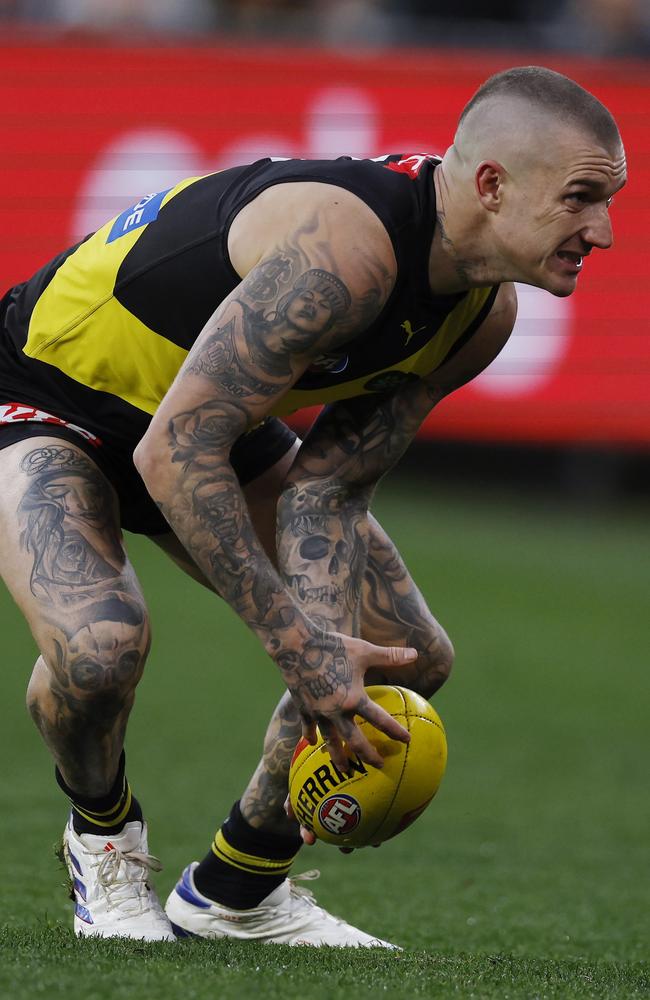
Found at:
[368, 805]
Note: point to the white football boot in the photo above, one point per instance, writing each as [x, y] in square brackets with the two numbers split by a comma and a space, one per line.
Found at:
[111, 891]
[288, 915]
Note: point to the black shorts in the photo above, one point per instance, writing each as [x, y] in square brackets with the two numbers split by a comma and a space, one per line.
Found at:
[251, 455]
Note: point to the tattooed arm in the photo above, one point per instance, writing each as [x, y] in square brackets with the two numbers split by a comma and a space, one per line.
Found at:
[323, 512]
[308, 294]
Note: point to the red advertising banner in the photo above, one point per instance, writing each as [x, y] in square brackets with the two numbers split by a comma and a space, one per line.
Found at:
[87, 129]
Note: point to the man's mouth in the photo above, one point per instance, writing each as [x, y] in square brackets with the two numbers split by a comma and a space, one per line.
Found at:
[572, 257]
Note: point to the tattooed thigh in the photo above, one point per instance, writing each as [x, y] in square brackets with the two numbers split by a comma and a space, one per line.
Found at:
[64, 563]
[394, 613]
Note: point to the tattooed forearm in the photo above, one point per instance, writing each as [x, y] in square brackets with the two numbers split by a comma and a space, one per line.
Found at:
[209, 514]
[357, 441]
[206, 508]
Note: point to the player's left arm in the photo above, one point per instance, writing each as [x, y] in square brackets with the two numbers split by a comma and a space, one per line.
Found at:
[323, 510]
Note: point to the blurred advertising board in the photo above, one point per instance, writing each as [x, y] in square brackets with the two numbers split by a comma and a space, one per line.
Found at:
[88, 128]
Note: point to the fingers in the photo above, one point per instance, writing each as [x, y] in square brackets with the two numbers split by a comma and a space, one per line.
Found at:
[355, 743]
[334, 743]
[343, 737]
[381, 720]
[390, 656]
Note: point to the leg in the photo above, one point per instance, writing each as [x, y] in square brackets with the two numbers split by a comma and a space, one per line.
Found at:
[65, 565]
[394, 613]
[236, 875]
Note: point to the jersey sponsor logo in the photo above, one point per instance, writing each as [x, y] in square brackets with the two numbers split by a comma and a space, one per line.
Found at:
[412, 163]
[141, 214]
[409, 331]
[340, 814]
[387, 381]
[14, 413]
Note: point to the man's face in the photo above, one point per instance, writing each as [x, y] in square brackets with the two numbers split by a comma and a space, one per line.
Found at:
[79, 498]
[556, 210]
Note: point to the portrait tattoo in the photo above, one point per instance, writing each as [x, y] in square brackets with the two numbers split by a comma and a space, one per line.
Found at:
[65, 506]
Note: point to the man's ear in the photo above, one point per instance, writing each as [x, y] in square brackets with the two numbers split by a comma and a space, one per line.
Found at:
[490, 177]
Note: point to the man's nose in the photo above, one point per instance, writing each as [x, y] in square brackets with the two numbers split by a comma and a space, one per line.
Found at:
[598, 233]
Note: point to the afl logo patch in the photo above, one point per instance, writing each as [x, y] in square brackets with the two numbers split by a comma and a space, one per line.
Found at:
[386, 381]
[339, 814]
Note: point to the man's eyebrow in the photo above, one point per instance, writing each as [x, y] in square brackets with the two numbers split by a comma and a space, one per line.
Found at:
[587, 182]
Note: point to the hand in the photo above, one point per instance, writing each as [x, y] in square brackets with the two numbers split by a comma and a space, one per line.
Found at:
[325, 678]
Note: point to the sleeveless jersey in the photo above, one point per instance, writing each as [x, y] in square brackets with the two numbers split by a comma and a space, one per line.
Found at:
[101, 331]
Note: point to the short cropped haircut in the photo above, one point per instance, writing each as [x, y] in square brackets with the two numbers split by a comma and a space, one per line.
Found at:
[552, 92]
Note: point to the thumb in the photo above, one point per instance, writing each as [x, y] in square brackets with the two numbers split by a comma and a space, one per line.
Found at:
[392, 656]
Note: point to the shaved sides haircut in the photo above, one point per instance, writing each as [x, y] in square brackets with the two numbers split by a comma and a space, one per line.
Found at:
[548, 91]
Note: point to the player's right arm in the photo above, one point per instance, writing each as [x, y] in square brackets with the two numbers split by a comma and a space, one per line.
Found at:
[309, 292]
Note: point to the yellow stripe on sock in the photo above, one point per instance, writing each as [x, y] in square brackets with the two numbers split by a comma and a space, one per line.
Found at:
[92, 817]
[106, 812]
[248, 862]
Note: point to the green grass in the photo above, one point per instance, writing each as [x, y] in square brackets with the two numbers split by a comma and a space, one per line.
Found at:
[528, 877]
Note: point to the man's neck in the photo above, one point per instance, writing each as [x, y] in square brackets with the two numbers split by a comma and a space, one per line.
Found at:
[457, 260]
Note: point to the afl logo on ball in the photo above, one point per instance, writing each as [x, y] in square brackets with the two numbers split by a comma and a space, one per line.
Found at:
[339, 814]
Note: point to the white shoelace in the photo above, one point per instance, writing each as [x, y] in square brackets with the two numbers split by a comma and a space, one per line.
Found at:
[136, 867]
[306, 895]
[301, 891]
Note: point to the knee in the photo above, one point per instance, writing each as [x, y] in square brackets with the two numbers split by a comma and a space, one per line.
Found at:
[435, 660]
[100, 657]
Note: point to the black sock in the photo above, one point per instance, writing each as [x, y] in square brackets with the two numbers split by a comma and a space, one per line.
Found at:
[105, 815]
[245, 864]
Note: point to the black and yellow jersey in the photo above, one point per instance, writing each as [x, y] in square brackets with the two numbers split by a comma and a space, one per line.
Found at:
[98, 335]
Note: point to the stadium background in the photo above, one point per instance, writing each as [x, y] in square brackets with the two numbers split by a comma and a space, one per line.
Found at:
[521, 511]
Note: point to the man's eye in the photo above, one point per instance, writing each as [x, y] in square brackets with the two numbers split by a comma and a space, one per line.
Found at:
[578, 197]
